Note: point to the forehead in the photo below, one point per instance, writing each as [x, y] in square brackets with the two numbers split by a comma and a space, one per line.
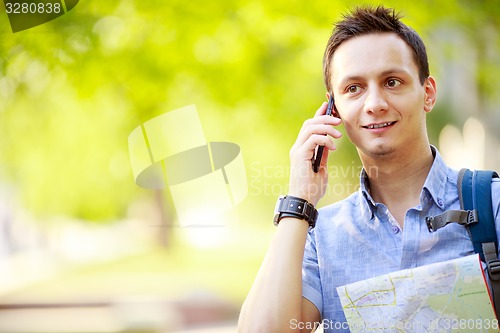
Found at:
[370, 54]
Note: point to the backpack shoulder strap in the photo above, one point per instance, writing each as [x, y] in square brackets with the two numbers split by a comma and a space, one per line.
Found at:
[476, 214]
[474, 190]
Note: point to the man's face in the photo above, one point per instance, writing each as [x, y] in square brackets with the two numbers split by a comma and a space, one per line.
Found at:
[378, 94]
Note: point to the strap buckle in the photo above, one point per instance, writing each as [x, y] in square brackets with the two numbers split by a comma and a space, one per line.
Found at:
[494, 269]
[472, 217]
[429, 220]
[491, 259]
[463, 217]
[308, 210]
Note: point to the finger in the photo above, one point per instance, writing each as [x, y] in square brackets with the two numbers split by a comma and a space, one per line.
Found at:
[308, 149]
[313, 129]
[321, 110]
[325, 120]
[330, 120]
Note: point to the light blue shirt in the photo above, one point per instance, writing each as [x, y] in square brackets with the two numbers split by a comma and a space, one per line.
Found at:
[357, 238]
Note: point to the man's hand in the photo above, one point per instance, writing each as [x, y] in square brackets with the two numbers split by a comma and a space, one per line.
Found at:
[304, 182]
[276, 294]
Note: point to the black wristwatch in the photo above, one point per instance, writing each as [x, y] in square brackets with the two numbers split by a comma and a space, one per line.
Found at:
[289, 206]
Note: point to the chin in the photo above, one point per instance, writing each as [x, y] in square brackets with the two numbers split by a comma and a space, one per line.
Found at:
[378, 150]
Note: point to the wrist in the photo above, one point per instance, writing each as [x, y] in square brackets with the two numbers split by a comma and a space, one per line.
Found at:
[295, 207]
[304, 196]
[311, 192]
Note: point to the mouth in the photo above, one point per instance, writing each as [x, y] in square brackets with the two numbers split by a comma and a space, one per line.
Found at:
[380, 125]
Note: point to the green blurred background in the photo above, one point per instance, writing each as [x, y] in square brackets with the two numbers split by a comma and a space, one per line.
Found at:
[77, 232]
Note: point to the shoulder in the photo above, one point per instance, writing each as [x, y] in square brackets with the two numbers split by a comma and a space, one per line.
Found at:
[495, 187]
[495, 195]
[495, 183]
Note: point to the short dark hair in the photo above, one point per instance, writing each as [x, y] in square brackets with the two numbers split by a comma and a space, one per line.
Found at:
[366, 20]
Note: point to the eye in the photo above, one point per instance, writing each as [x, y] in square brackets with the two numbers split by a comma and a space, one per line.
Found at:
[393, 83]
[353, 89]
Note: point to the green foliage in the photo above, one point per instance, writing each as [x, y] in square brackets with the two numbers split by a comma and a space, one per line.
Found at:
[72, 90]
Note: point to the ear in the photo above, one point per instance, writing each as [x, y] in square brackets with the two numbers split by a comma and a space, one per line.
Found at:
[327, 96]
[430, 94]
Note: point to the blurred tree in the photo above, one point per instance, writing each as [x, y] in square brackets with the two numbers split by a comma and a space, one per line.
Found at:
[72, 90]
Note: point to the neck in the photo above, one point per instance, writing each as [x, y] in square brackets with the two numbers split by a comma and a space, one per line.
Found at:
[397, 181]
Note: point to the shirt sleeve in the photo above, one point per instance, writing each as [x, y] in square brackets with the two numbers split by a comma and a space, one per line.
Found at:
[495, 197]
[311, 283]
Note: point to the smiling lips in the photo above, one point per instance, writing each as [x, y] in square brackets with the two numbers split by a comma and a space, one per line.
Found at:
[380, 125]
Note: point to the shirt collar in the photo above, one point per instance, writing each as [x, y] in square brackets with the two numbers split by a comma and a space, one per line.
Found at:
[434, 186]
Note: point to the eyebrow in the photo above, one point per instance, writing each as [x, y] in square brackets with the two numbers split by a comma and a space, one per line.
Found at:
[388, 72]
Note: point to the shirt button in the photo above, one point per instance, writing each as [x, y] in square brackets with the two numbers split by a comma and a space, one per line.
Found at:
[395, 229]
[440, 201]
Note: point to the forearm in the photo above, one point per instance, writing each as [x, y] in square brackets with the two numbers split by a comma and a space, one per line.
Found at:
[275, 298]
[276, 295]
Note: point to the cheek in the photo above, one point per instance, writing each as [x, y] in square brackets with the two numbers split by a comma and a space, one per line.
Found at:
[350, 113]
[350, 129]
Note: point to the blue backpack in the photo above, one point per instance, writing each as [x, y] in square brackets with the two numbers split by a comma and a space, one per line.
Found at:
[476, 214]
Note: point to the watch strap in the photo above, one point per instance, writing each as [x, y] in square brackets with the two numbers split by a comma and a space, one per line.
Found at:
[290, 206]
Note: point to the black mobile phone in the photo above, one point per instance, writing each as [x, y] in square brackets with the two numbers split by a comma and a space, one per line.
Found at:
[330, 110]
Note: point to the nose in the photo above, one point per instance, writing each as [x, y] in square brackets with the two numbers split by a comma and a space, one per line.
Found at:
[375, 100]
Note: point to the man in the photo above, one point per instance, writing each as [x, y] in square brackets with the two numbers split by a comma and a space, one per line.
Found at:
[376, 68]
